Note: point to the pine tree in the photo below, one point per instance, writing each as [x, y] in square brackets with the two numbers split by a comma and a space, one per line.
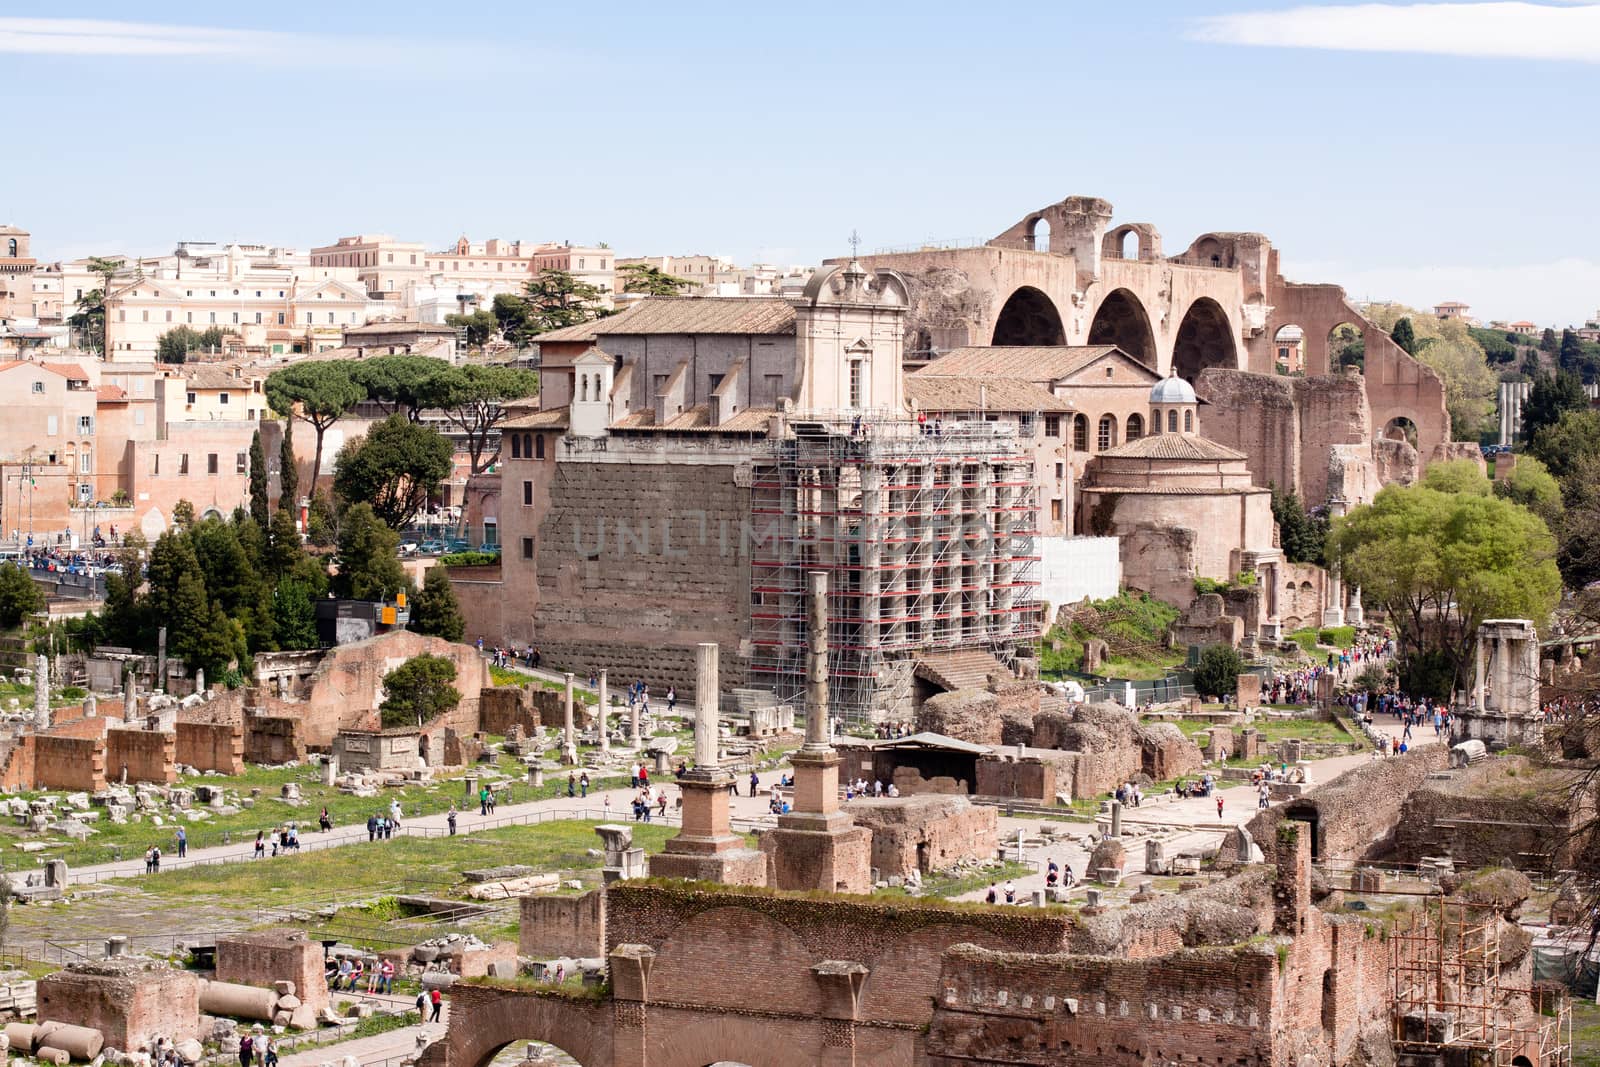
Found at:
[1404, 336]
[186, 617]
[435, 611]
[288, 475]
[259, 508]
[294, 616]
[369, 564]
[283, 546]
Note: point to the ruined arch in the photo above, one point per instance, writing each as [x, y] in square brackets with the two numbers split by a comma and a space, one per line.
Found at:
[1205, 339]
[580, 1029]
[1029, 318]
[1121, 320]
[1401, 428]
[1347, 347]
[1038, 233]
[1289, 349]
[1132, 241]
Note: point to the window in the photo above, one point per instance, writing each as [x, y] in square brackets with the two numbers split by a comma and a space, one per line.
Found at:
[188, 316]
[155, 463]
[1106, 437]
[212, 315]
[538, 446]
[38, 387]
[857, 370]
[258, 294]
[1080, 433]
[84, 460]
[1135, 427]
[138, 416]
[211, 463]
[189, 398]
[1052, 425]
[146, 316]
[516, 446]
[391, 257]
[1155, 420]
[183, 463]
[716, 382]
[280, 318]
[413, 261]
[1188, 421]
[1172, 420]
[1055, 511]
[1061, 471]
[258, 318]
[308, 318]
[222, 398]
[527, 548]
[122, 316]
[527, 445]
[85, 424]
[241, 463]
[236, 318]
[169, 316]
[330, 318]
[527, 494]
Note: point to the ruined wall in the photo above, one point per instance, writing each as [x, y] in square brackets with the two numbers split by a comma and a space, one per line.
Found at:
[1302, 596]
[640, 562]
[263, 957]
[526, 706]
[146, 755]
[273, 738]
[482, 597]
[211, 746]
[64, 761]
[130, 1002]
[1026, 779]
[926, 833]
[971, 715]
[1159, 560]
[1501, 812]
[563, 925]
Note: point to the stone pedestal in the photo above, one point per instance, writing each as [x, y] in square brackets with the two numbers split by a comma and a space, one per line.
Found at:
[817, 846]
[536, 775]
[706, 849]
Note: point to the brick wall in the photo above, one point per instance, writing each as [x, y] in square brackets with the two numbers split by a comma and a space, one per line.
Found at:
[268, 956]
[273, 738]
[925, 834]
[1025, 779]
[148, 755]
[563, 925]
[63, 761]
[211, 746]
[502, 706]
[128, 1004]
[482, 598]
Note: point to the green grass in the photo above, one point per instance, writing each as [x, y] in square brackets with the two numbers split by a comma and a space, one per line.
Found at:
[1585, 1033]
[946, 887]
[1279, 730]
[376, 869]
[1126, 622]
[1331, 637]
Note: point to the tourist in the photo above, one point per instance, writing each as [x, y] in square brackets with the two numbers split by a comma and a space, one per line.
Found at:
[1219, 805]
[340, 979]
[644, 776]
[261, 845]
[583, 784]
[183, 843]
[422, 1005]
[483, 800]
[755, 783]
[150, 860]
[451, 819]
[572, 785]
[325, 821]
[438, 1004]
[269, 1052]
[246, 1050]
[386, 976]
[1011, 892]
[894, 790]
[356, 970]
[992, 897]
[672, 699]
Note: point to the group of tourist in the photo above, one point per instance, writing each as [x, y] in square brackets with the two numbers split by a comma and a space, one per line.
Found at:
[501, 656]
[1130, 794]
[861, 788]
[889, 730]
[258, 1045]
[350, 975]
[382, 825]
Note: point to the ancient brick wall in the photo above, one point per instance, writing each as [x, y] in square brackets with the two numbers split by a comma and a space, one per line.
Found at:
[274, 738]
[481, 595]
[504, 706]
[129, 1004]
[147, 755]
[211, 746]
[1498, 813]
[1026, 779]
[268, 956]
[640, 562]
[1302, 595]
[62, 761]
[563, 925]
[967, 715]
[16, 762]
[926, 834]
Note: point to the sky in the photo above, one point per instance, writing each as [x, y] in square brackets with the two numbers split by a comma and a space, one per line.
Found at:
[1417, 152]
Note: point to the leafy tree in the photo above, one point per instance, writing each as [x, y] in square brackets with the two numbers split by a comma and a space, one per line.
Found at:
[472, 397]
[1569, 357]
[321, 393]
[515, 318]
[288, 473]
[1347, 348]
[183, 514]
[1562, 446]
[418, 691]
[260, 508]
[19, 596]
[394, 468]
[175, 345]
[1218, 672]
[435, 611]
[1579, 554]
[1448, 348]
[294, 616]
[1301, 536]
[556, 298]
[369, 566]
[1498, 346]
[232, 581]
[1441, 563]
[124, 615]
[480, 325]
[1547, 340]
[652, 281]
[1551, 396]
[398, 381]
[1405, 336]
[321, 527]
[1457, 476]
[1531, 484]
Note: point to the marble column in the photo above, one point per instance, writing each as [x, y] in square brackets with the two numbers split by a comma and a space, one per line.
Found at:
[705, 704]
[569, 734]
[605, 737]
[41, 693]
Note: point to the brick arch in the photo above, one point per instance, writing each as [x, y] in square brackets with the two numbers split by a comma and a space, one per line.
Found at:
[1121, 320]
[1205, 339]
[707, 942]
[1028, 317]
[905, 975]
[494, 1018]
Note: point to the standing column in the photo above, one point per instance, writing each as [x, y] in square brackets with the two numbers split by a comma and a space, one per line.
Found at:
[130, 699]
[817, 661]
[569, 736]
[1502, 674]
[605, 739]
[633, 731]
[705, 705]
[1480, 674]
[41, 693]
[1333, 615]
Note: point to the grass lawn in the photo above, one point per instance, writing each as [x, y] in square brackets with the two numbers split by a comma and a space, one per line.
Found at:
[380, 869]
[1585, 1033]
[1279, 729]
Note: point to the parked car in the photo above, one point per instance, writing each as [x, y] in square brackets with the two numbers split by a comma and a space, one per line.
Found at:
[456, 544]
[432, 547]
[490, 547]
[408, 548]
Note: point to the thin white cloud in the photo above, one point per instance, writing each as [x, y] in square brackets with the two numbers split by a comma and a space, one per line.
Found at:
[1560, 31]
[100, 37]
[1559, 293]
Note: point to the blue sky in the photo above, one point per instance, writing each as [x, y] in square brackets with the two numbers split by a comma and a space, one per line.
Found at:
[1419, 152]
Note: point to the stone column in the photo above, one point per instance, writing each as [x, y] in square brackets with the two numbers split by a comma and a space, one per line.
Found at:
[199, 681]
[41, 692]
[161, 659]
[817, 661]
[1116, 818]
[1502, 674]
[130, 697]
[330, 770]
[633, 727]
[1333, 614]
[91, 707]
[605, 739]
[569, 736]
[1480, 675]
[705, 704]
[1356, 616]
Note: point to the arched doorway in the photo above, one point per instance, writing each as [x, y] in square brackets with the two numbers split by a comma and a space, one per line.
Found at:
[1121, 321]
[1289, 350]
[1205, 339]
[1135, 427]
[1039, 235]
[1029, 318]
[1401, 428]
[1346, 348]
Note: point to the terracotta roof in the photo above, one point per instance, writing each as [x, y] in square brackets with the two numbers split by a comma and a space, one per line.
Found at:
[548, 419]
[203, 377]
[110, 393]
[698, 420]
[686, 315]
[1173, 446]
[1040, 363]
[373, 329]
[980, 393]
[70, 371]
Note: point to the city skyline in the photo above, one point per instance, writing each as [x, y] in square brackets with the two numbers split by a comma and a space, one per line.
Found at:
[769, 137]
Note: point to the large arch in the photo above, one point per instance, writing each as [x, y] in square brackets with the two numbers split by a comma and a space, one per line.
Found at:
[1205, 339]
[580, 1027]
[1029, 318]
[1121, 320]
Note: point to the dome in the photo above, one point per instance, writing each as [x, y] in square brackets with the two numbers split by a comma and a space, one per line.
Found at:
[1173, 390]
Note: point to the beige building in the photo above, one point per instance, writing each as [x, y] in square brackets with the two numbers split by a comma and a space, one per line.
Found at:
[384, 266]
[270, 317]
[16, 275]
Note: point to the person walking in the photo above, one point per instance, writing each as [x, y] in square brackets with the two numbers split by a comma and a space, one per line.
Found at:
[247, 1050]
[755, 783]
[438, 1006]
[183, 843]
[451, 820]
[261, 845]
[583, 784]
[483, 800]
[269, 1055]
[572, 785]
[1219, 805]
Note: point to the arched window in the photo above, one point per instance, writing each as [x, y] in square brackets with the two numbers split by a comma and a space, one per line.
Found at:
[1107, 437]
[527, 446]
[516, 446]
[1135, 427]
[1155, 421]
[538, 447]
[1188, 422]
[1172, 420]
[1080, 433]
[11, 248]
[583, 387]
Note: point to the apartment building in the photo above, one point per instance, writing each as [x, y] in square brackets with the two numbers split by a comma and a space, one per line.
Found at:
[384, 266]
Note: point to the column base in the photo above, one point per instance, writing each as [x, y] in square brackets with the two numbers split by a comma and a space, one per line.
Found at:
[810, 851]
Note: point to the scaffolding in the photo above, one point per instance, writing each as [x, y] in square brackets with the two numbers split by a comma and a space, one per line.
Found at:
[927, 534]
[1448, 996]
